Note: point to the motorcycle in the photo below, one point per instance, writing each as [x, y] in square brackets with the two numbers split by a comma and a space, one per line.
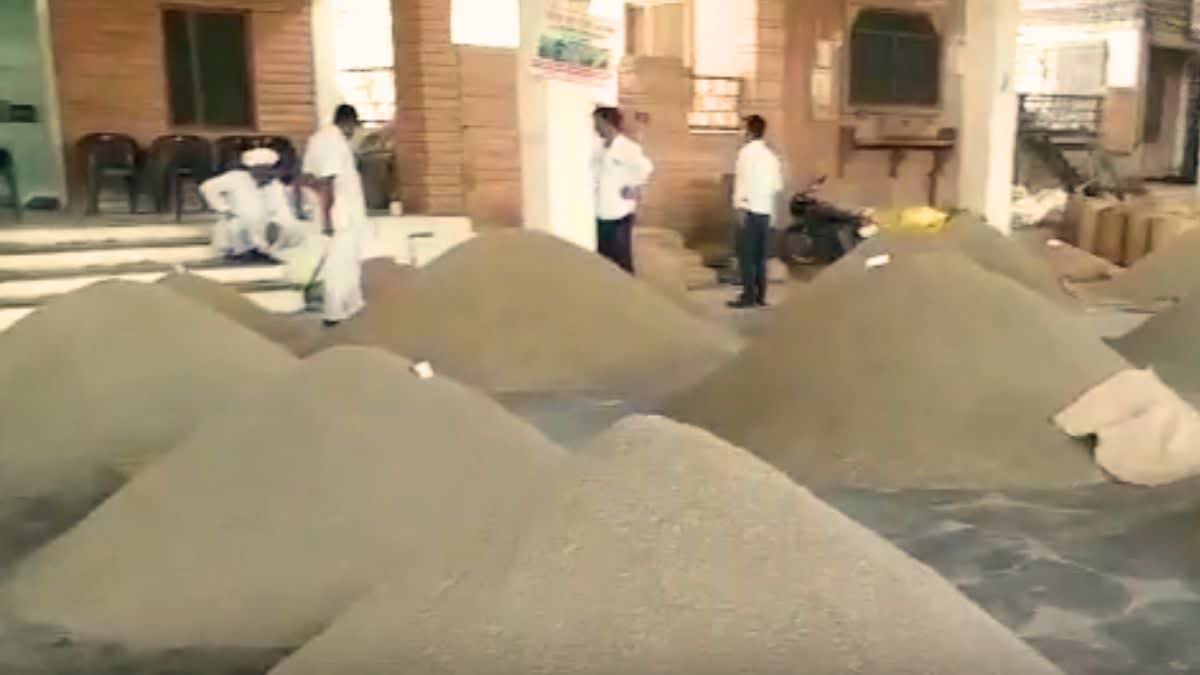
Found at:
[820, 232]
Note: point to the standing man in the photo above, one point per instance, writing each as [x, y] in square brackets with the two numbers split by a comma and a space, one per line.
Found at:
[756, 190]
[331, 170]
[252, 204]
[620, 170]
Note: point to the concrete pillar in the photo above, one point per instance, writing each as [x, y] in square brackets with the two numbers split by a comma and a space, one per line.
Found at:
[557, 135]
[324, 42]
[989, 127]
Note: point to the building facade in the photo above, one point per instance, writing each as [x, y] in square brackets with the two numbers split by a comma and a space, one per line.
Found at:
[1135, 59]
[872, 94]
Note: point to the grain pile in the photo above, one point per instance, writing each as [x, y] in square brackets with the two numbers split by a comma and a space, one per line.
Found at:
[269, 521]
[929, 372]
[664, 550]
[968, 235]
[297, 334]
[1168, 343]
[104, 379]
[520, 311]
[380, 275]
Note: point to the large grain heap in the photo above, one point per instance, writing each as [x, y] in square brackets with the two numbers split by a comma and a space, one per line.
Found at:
[1169, 344]
[297, 334]
[664, 550]
[968, 235]
[104, 379]
[264, 525]
[1168, 273]
[929, 372]
[524, 311]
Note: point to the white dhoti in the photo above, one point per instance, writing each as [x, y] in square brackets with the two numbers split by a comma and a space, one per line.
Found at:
[234, 235]
[343, 275]
[328, 156]
[341, 272]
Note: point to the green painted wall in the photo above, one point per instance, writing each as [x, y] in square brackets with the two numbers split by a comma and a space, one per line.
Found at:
[21, 81]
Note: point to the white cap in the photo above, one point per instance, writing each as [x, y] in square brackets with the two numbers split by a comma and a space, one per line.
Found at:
[260, 157]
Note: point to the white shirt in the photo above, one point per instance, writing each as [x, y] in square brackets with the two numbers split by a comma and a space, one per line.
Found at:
[759, 179]
[328, 155]
[238, 194]
[616, 166]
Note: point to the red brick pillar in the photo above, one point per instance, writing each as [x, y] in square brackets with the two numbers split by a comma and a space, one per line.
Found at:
[429, 134]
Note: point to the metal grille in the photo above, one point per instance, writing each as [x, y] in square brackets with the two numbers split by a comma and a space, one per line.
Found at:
[1058, 115]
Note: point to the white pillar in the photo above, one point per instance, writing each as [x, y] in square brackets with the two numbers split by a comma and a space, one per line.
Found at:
[989, 128]
[324, 55]
[557, 137]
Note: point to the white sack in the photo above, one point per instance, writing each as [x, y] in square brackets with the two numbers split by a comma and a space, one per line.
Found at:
[1146, 434]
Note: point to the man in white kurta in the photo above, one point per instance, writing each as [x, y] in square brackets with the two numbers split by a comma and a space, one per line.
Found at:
[619, 170]
[331, 170]
[250, 201]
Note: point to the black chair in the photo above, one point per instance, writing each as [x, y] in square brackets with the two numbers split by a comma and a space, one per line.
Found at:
[229, 151]
[106, 155]
[289, 163]
[8, 170]
[175, 160]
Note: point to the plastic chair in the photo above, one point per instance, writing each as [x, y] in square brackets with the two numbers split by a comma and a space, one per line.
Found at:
[109, 155]
[288, 166]
[229, 151]
[8, 170]
[175, 160]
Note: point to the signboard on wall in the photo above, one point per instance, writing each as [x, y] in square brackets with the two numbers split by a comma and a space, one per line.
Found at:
[574, 43]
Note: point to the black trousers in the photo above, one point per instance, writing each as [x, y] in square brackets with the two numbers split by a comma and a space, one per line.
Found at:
[614, 240]
[752, 256]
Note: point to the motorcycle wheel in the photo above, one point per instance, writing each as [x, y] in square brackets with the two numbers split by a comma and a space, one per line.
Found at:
[797, 248]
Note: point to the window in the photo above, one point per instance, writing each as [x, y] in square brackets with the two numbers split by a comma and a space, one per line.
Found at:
[895, 59]
[716, 104]
[208, 73]
[365, 58]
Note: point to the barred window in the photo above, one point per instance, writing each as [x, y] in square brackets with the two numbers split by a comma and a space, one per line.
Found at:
[895, 59]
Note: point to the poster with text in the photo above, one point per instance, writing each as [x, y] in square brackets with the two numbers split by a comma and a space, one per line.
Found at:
[574, 45]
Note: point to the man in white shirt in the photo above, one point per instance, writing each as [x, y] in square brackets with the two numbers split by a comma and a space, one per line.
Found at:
[755, 195]
[257, 217]
[620, 170]
[331, 171]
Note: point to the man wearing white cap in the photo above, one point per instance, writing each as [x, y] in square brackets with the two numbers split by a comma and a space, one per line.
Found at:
[257, 218]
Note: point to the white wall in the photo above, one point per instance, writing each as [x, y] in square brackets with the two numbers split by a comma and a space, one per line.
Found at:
[324, 57]
[724, 48]
[557, 135]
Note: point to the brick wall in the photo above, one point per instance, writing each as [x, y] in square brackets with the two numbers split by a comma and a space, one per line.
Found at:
[491, 136]
[429, 143]
[690, 189]
[687, 192]
[812, 145]
[111, 73]
[457, 149]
